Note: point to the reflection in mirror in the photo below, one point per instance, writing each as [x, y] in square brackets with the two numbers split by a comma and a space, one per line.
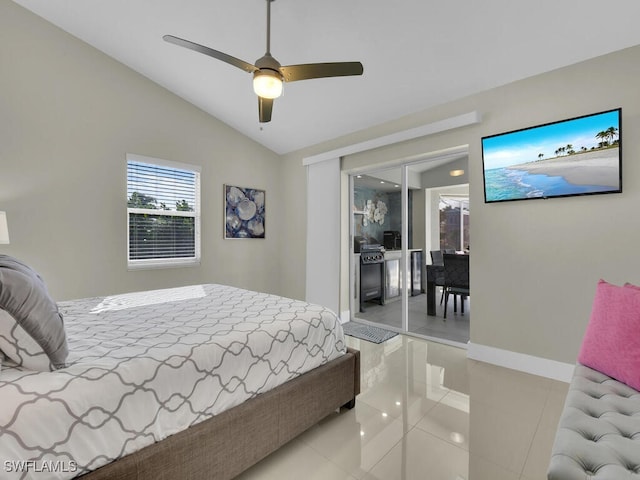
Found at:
[376, 207]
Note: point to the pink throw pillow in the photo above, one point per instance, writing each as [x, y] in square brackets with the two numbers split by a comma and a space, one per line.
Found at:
[611, 343]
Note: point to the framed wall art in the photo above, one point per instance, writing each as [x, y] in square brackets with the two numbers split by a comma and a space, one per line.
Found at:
[244, 210]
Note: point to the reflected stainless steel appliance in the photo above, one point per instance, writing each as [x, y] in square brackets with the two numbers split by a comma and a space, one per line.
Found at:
[416, 272]
[358, 243]
[392, 240]
[371, 274]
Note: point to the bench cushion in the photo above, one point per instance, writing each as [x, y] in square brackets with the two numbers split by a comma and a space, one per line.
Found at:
[598, 434]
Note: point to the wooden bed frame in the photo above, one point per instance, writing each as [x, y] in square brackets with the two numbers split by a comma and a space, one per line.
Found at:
[223, 446]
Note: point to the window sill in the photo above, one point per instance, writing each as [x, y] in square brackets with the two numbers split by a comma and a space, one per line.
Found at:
[154, 264]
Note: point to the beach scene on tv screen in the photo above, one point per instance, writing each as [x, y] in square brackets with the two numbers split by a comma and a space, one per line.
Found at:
[571, 157]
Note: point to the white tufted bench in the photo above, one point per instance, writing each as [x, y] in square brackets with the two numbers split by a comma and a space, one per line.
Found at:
[598, 434]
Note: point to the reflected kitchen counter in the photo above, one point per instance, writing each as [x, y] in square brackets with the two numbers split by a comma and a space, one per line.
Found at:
[392, 273]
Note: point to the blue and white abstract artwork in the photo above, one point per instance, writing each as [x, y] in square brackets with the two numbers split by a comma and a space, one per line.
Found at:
[244, 212]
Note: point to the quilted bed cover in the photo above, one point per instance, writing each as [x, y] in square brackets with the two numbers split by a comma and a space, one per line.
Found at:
[146, 365]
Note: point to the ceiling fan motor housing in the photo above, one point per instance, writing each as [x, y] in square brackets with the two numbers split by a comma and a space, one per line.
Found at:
[269, 63]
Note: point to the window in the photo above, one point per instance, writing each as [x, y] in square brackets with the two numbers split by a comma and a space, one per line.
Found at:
[163, 211]
[454, 222]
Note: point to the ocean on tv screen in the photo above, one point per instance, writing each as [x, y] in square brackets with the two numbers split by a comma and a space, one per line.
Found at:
[511, 184]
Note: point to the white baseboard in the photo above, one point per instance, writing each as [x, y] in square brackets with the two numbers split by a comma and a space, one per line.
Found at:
[520, 361]
[542, 367]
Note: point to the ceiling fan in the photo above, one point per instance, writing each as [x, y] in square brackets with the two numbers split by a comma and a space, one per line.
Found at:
[268, 74]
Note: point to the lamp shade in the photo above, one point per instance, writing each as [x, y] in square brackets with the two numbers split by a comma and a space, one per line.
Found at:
[267, 84]
[4, 230]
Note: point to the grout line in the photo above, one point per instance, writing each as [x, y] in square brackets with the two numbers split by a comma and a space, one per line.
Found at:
[533, 437]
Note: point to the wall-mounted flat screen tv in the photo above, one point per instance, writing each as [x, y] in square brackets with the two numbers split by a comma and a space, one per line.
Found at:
[578, 156]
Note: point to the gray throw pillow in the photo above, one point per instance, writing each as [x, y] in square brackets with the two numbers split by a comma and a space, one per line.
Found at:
[31, 327]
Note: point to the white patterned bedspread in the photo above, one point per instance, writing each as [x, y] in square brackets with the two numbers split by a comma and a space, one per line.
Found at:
[143, 366]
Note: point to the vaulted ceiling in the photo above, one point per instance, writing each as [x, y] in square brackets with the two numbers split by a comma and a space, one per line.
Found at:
[416, 53]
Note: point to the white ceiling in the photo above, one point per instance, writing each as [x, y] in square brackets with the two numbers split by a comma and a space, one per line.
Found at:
[416, 53]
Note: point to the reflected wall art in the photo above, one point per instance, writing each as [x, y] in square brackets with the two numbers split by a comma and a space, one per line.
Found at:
[244, 212]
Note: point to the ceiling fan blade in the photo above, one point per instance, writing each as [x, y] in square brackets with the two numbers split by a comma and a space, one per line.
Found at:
[236, 62]
[293, 73]
[265, 107]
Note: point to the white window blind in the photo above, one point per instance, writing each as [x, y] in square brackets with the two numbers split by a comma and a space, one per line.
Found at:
[163, 211]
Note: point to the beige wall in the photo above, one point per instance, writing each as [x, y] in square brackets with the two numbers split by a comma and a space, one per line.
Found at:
[68, 116]
[535, 264]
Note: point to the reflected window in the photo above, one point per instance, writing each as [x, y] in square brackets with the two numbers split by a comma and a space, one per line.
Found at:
[454, 222]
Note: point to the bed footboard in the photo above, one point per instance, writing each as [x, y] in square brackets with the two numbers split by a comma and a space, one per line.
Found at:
[222, 447]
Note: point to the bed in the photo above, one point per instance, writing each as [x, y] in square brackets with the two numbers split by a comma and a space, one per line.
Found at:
[197, 382]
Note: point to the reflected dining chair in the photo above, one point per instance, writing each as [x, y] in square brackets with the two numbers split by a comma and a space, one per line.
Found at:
[436, 259]
[456, 280]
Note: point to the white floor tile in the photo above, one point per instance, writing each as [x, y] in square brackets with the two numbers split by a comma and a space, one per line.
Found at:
[426, 412]
[482, 469]
[355, 440]
[295, 461]
[419, 456]
[449, 420]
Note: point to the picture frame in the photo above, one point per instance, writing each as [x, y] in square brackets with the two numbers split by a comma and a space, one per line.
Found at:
[577, 156]
[244, 212]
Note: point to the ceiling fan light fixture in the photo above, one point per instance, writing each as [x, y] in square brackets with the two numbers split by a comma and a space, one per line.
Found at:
[268, 74]
[267, 83]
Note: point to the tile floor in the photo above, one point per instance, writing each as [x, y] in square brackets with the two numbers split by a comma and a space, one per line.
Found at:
[427, 412]
[455, 328]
